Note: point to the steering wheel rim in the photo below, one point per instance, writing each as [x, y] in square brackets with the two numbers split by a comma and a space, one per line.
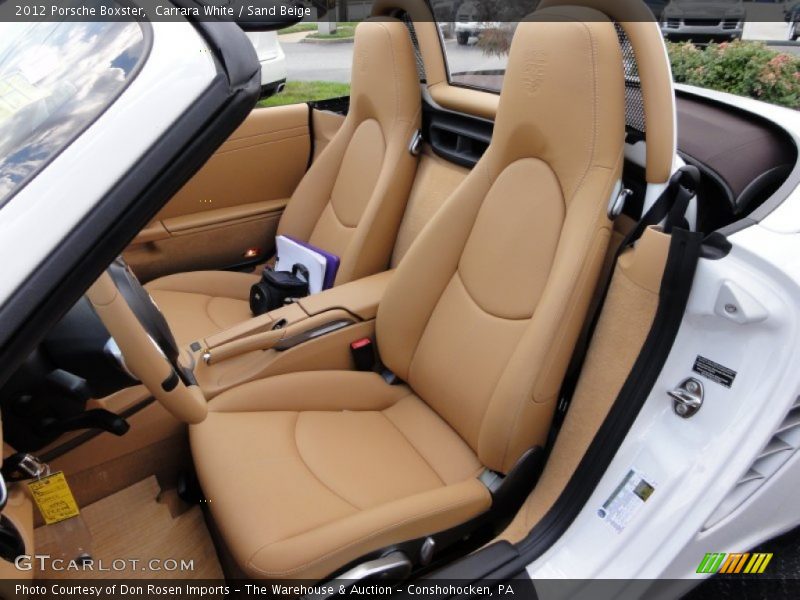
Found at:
[145, 309]
[170, 383]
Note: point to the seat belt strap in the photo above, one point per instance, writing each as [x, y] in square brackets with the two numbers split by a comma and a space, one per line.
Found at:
[670, 207]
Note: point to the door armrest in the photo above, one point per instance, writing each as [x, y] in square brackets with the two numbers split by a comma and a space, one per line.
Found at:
[220, 216]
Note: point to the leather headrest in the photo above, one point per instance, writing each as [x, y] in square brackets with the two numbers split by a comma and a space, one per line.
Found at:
[385, 82]
[655, 75]
[563, 96]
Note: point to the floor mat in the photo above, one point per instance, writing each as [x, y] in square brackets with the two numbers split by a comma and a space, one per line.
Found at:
[132, 529]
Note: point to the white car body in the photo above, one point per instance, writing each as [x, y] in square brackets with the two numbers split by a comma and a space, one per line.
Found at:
[272, 59]
[697, 466]
[735, 461]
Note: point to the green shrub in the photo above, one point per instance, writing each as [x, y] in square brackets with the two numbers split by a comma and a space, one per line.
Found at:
[496, 41]
[741, 67]
[744, 68]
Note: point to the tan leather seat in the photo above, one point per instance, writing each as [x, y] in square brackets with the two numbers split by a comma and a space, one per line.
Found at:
[351, 201]
[307, 472]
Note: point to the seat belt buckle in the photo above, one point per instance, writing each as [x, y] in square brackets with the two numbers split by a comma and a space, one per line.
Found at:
[363, 354]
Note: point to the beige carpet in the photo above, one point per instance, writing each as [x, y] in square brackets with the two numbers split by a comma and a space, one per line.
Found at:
[138, 523]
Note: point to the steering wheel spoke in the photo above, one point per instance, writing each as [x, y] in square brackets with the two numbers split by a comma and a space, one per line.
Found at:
[157, 367]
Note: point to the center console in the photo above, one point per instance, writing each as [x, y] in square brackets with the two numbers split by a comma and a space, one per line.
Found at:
[311, 334]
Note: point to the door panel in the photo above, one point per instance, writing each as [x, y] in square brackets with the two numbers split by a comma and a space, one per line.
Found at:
[233, 204]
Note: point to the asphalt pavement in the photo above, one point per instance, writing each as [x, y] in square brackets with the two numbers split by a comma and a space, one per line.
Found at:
[331, 62]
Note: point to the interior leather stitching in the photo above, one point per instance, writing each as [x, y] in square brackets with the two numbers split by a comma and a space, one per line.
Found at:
[394, 525]
[395, 73]
[336, 216]
[592, 145]
[458, 268]
[488, 312]
[413, 447]
[583, 274]
[344, 156]
[477, 169]
[313, 474]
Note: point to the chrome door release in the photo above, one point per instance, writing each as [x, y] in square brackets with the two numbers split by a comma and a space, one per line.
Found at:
[687, 397]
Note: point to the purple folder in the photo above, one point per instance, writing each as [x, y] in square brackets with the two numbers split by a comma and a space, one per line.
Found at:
[331, 262]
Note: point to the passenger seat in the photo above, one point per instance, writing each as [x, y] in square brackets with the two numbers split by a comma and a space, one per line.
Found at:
[351, 201]
[308, 472]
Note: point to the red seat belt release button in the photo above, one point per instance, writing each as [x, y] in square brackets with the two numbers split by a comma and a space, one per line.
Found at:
[363, 354]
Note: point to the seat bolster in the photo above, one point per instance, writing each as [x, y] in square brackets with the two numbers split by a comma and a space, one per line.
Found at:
[202, 303]
[321, 551]
[312, 391]
[217, 284]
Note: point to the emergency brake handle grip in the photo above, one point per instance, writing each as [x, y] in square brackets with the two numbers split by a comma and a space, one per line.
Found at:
[97, 418]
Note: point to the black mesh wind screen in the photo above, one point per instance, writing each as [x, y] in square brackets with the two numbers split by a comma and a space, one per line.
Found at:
[634, 102]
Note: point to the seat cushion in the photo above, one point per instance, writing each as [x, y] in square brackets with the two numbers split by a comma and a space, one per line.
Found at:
[202, 303]
[307, 472]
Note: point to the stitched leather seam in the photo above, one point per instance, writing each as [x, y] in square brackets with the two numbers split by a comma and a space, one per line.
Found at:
[313, 474]
[580, 283]
[383, 162]
[483, 310]
[417, 452]
[593, 143]
[481, 165]
[354, 542]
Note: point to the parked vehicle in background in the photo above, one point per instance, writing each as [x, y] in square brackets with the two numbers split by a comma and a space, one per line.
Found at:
[657, 7]
[791, 14]
[272, 59]
[703, 20]
[468, 23]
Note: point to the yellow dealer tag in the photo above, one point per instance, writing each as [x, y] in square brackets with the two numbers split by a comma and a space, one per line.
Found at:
[54, 498]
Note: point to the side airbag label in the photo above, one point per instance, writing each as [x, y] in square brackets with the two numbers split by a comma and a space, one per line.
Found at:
[714, 371]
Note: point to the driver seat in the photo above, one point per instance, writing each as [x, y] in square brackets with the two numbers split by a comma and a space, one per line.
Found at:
[307, 472]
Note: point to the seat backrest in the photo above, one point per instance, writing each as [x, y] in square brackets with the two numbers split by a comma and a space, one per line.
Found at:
[483, 312]
[351, 201]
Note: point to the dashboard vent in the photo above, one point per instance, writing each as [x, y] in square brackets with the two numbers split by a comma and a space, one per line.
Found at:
[784, 443]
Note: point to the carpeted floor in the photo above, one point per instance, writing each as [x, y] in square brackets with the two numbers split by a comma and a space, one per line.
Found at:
[139, 523]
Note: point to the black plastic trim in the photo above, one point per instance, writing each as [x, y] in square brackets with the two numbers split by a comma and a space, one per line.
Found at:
[479, 565]
[58, 282]
[171, 382]
[454, 543]
[459, 138]
[312, 146]
[715, 246]
[713, 175]
[86, 436]
[340, 105]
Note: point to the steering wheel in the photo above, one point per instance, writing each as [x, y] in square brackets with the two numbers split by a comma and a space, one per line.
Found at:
[146, 342]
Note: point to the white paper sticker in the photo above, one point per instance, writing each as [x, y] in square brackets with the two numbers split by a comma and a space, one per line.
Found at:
[626, 500]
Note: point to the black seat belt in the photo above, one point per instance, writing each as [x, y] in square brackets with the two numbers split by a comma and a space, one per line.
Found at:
[669, 207]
